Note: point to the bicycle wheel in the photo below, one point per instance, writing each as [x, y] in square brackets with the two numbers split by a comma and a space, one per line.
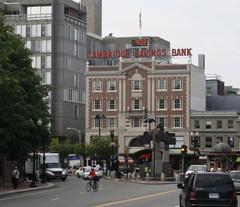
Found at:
[95, 187]
[88, 186]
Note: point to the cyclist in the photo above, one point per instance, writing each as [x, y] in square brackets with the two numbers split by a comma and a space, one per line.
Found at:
[93, 176]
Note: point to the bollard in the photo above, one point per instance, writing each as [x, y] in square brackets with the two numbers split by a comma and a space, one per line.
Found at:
[177, 178]
[133, 176]
[108, 173]
[147, 176]
[162, 177]
[129, 175]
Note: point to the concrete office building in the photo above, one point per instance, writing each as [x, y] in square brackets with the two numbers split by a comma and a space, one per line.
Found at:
[94, 16]
[55, 31]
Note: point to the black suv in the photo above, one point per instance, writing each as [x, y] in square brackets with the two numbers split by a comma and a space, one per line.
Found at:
[208, 189]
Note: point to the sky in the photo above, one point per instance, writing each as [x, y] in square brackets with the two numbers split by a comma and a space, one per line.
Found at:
[210, 27]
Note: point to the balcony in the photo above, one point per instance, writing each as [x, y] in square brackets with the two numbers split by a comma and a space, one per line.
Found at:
[136, 112]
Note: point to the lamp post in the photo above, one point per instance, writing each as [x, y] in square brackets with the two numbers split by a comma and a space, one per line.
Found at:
[79, 133]
[33, 183]
[45, 137]
[99, 117]
[195, 141]
[112, 145]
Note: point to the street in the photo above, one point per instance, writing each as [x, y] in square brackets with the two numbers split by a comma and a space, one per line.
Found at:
[72, 193]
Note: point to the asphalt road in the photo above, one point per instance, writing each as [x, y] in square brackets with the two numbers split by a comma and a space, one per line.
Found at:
[112, 193]
[72, 193]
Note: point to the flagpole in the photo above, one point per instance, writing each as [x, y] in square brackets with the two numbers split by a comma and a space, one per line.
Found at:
[140, 24]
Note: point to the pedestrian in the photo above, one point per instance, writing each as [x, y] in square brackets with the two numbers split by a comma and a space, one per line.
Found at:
[15, 177]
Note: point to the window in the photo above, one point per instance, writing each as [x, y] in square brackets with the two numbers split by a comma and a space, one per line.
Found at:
[196, 124]
[33, 30]
[136, 122]
[36, 45]
[111, 104]
[177, 84]
[46, 30]
[219, 124]
[177, 103]
[97, 85]
[76, 112]
[97, 104]
[136, 104]
[219, 139]
[208, 124]
[75, 51]
[231, 141]
[36, 62]
[136, 85]
[162, 121]
[162, 85]
[230, 124]
[39, 12]
[208, 142]
[177, 122]
[96, 122]
[161, 104]
[28, 30]
[75, 81]
[111, 85]
[111, 122]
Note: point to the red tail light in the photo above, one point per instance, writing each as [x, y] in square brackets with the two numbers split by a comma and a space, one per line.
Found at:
[233, 196]
[191, 195]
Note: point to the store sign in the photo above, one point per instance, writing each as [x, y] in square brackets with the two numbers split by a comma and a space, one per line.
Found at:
[145, 53]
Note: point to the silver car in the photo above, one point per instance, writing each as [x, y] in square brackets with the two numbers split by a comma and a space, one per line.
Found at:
[235, 175]
[196, 168]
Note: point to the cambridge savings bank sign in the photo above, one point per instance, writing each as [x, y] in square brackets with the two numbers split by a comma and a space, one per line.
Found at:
[140, 52]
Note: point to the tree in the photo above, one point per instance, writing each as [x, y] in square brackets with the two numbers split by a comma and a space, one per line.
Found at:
[21, 96]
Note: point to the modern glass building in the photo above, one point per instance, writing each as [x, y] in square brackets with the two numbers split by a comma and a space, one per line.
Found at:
[55, 31]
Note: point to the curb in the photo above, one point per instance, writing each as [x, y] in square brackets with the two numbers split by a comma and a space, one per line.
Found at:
[144, 182]
[11, 192]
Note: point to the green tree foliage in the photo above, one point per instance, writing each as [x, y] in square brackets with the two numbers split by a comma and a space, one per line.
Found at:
[21, 96]
[102, 148]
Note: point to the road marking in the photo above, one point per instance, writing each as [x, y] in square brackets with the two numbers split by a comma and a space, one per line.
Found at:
[30, 194]
[54, 199]
[134, 199]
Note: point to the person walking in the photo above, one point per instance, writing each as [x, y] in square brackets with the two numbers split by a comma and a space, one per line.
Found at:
[15, 177]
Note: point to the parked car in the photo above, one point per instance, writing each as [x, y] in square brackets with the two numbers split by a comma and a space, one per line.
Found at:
[208, 189]
[83, 172]
[235, 175]
[195, 168]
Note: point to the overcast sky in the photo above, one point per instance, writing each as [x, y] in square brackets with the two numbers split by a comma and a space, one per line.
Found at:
[210, 27]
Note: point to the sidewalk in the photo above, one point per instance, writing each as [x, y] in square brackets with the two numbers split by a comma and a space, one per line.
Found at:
[24, 187]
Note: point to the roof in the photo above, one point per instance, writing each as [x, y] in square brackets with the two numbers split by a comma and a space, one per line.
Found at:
[221, 148]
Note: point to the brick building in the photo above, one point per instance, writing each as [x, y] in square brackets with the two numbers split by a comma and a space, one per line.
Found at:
[127, 93]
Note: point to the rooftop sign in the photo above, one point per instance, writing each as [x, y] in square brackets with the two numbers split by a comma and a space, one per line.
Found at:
[127, 53]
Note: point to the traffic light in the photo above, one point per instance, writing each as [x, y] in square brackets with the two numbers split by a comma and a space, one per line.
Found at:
[184, 149]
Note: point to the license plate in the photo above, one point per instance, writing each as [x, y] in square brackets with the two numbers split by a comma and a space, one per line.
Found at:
[213, 195]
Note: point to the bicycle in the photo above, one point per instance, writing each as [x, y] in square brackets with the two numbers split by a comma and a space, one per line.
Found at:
[91, 184]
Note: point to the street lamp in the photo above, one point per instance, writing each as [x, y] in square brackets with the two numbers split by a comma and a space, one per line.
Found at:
[33, 183]
[112, 145]
[45, 137]
[195, 140]
[79, 133]
[99, 117]
[149, 121]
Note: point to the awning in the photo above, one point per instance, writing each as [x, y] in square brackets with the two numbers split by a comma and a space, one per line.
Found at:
[122, 160]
